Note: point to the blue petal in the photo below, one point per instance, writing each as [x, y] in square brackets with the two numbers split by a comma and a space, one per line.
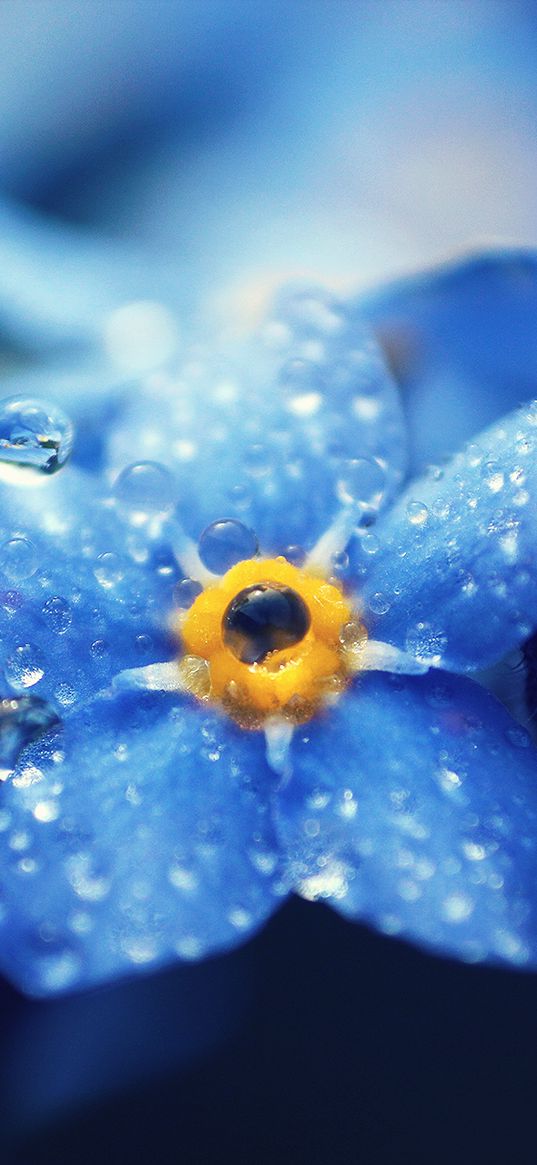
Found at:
[58, 287]
[413, 806]
[265, 435]
[456, 572]
[461, 341]
[151, 841]
[86, 599]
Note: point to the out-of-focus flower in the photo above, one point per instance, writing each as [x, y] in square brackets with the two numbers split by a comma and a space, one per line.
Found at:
[145, 824]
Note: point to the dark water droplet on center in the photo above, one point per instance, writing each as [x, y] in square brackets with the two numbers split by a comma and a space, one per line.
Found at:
[264, 618]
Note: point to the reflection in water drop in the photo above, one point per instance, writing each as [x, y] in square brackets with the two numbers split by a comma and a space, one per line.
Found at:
[224, 543]
[36, 438]
[23, 719]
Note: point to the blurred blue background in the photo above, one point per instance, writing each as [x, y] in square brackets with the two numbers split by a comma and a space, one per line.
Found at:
[200, 152]
[245, 141]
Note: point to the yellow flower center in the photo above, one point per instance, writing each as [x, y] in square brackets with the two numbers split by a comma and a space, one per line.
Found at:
[268, 639]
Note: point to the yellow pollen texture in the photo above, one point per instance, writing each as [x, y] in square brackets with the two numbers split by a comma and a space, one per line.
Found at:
[293, 682]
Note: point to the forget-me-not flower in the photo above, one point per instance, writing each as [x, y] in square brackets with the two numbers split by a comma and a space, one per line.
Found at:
[235, 655]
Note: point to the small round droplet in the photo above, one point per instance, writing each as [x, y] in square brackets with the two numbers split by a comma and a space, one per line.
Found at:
[185, 592]
[264, 618]
[224, 543]
[295, 555]
[24, 667]
[417, 513]
[23, 719]
[109, 570]
[57, 613]
[257, 460]
[362, 484]
[143, 491]
[493, 476]
[379, 604]
[36, 438]
[370, 543]
[474, 455]
[18, 559]
[99, 649]
[518, 736]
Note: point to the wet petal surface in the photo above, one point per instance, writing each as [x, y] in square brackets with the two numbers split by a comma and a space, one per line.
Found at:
[150, 841]
[454, 579]
[428, 828]
[461, 342]
[81, 595]
[270, 436]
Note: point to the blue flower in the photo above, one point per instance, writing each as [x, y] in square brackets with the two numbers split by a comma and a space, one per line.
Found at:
[146, 825]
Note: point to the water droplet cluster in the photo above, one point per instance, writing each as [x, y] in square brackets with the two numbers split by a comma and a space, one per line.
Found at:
[454, 579]
[422, 834]
[276, 427]
[200, 869]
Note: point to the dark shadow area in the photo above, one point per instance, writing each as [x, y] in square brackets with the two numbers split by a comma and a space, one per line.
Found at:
[354, 1048]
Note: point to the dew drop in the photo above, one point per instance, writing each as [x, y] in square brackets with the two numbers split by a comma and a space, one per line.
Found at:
[518, 737]
[474, 455]
[99, 649]
[109, 570]
[57, 613]
[257, 460]
[295, 555]
[23, 719]
[264, 618]
[300, 376]
[143, 491]
[224, 543]
[379, 604]
[24, 667]
[493, 476]
[185, 592]
[362, 484]
[417, 513]
[18, 559]
[36, 438]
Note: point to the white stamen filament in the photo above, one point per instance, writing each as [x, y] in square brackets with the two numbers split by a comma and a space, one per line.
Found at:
[156, 677]
[278, 737]
[333, 541]
[373, 655]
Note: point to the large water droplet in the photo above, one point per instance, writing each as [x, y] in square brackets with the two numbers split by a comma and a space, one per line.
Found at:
[264, 618]
[18, 559]
[145, 490]
[362, 484]
[23, 719]
[36, 437]
[224, 543]
[24, 667]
